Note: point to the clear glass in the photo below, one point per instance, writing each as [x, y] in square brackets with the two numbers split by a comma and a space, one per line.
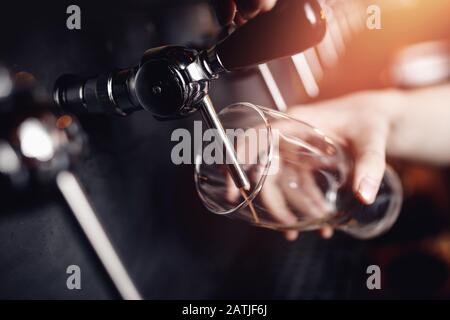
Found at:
[300, 178]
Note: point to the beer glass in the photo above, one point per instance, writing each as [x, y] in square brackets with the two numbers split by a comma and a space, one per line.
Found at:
[300, 179]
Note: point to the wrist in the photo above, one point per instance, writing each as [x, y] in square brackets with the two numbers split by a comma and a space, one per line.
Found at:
[396, 108]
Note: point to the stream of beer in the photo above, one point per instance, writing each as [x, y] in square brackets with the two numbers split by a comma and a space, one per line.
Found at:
[250, 205]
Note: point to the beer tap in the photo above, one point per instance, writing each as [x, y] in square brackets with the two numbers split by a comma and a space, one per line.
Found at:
[173, 81]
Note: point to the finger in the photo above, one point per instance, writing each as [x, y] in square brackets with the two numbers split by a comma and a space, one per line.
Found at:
[249, 9]
[291, 235]
[225, 11]
[322, 208]
[326, 232]
[267, 5]
[318, 196]
[370, 163]
[232, 193]
[239, 20]
[273, 199]
[303, 194]
[309, 201]
[299, 166]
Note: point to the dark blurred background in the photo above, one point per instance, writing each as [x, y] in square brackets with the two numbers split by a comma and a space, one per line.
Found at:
[171, 246]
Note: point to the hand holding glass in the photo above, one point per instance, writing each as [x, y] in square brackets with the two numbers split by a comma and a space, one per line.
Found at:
[300, 178]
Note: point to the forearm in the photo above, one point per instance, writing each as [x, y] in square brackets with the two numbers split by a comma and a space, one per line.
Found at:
[420, 126]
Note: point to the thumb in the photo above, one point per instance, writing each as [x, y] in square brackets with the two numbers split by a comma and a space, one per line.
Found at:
[225, 11]
[370, 163]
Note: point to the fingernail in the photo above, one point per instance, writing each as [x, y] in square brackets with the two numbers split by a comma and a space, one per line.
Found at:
[368, 190]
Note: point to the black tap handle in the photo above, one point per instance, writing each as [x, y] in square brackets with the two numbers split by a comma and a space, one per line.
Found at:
[290, 28]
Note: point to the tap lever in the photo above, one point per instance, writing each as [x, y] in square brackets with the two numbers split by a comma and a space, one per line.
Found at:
[290, 28]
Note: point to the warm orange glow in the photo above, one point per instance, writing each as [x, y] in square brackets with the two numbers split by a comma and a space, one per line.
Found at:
[64, 121]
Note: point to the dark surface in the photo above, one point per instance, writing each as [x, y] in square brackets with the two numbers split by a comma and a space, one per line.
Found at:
[171, 246]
